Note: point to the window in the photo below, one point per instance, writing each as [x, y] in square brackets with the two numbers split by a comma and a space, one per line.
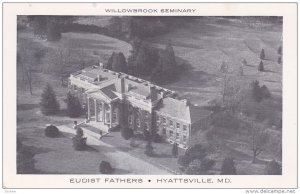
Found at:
[138, 123]
[177, 136]
[146, 114]
[146, 126]
[75, 87]
[164, 131]
[177, 125]
[171, 123]
[114, 116]
[130, 119]
[184, 128]
[130, 107]
[171, 133]
[184, 138]
[164, 120]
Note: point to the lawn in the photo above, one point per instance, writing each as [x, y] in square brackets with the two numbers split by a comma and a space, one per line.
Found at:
[205, 43]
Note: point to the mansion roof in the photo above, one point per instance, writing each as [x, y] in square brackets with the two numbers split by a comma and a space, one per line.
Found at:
[103, 83]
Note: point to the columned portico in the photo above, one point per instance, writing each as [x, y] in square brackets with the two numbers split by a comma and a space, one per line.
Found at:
[101, 113]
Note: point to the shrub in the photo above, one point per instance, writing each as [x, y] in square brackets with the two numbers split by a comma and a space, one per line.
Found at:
[262, 54]
[273, 168]
[51, 131]
[73, 105]
[258, 92]
[105, 167]
[126, 133]
[79, 142]
[228, 167]
[261, 66]
[279, 51]
[49, 104]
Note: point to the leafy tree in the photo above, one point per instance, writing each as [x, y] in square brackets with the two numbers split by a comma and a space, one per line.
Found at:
[261, 66]
[73, 105]
[79, 142]
[175, 150]
[126, 133]
[195, 152]
[273, 168]
[49, 104]
[118, 62]
[259, 93]
[262, 54]
[228, 166]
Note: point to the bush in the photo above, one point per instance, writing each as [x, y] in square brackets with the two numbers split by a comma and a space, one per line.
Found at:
[228, 167]
[51, 131]
[79, 142]
[261, 66]
[259, 93]
[126, 133]
[49, 104]
[105, 167]
[73, 105]
[273, 168]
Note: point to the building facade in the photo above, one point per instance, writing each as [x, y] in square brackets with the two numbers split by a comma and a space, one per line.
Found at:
[113, 100]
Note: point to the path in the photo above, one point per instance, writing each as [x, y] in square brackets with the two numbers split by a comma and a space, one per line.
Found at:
[121, 159]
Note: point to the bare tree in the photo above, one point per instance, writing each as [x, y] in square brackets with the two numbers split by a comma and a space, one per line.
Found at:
[259, 136]
[62, 60]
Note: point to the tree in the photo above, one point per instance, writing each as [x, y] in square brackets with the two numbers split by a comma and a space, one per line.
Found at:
[195, 152]
[241, 71]
[262, 54]
[228, 166]
[74, 108]
[79, 142]
[273, 168]
[175, 150]
[49, 104]
[261, 66]
[259, 93]
[259, 136]
[244, 62]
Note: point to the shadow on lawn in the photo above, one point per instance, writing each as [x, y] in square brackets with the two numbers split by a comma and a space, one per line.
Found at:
[25, 107]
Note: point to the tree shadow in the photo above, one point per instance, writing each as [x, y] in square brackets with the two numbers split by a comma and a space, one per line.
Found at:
[120, 171]
[25, 107]
[155, 155]
[90, 148]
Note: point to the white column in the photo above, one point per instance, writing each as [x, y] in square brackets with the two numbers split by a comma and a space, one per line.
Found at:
[88, 107]
[103, 112]
[111, 110]
[96, 111]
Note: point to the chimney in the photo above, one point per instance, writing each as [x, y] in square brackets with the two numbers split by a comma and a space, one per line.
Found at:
[98, 78]
[162, 94]
[101, 65]
[151, 90]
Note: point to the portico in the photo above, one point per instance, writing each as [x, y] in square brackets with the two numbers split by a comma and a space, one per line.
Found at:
[101, 113]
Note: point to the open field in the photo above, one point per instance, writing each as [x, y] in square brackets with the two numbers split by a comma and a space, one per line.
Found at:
[205, 43]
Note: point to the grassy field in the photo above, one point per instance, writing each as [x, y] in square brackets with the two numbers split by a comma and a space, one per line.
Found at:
[205, 43]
